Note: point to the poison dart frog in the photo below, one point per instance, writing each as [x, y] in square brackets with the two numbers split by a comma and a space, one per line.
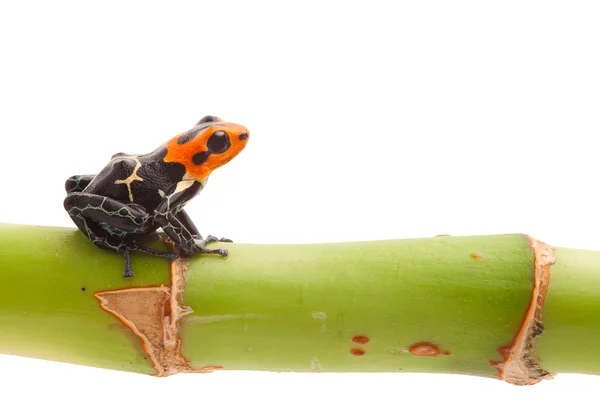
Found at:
[122, 207]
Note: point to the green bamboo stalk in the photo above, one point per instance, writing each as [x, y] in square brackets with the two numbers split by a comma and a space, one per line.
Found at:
[443, 304]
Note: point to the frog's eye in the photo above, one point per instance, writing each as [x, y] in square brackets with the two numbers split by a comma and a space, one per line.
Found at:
[218, 142]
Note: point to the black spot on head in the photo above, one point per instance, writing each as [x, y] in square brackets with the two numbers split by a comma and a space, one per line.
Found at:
[208, 118]
[161, 153]
[199, 158]
[190, 135]
[244, 136]
[83, 289]
[121, 154]
[218, 142]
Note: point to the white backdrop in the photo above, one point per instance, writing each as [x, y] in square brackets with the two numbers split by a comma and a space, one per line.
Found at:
[368, 120]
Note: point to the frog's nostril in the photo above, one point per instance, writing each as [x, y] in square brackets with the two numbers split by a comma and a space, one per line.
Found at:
[244, 136]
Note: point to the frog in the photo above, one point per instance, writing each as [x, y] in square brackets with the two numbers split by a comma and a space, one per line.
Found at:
[136, 196]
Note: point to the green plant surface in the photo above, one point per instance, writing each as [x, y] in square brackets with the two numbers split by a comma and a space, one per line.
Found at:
[343, 307]
[298, 307]
[47, 307]
[572, 314]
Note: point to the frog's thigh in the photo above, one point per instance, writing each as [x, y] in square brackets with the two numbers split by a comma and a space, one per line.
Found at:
[77, 183]
[101, 209]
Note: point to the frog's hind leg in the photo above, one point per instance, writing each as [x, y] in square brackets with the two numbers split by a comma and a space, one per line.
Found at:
[113, 225]
[127, 272]
[132, 246]
[77, 183]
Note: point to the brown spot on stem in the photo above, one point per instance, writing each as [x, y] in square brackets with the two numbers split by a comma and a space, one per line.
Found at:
[153, 314]
[427, 349]
[357, 352]
[360, 339]
[476, 256]
[519, 366]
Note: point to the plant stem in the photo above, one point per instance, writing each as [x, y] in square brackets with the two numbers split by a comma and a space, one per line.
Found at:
[443, 304]
[572, 314]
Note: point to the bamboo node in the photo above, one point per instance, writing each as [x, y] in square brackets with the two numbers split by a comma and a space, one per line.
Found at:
[519, 366]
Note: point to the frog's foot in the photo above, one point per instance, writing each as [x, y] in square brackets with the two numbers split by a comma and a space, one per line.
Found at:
[200, 246]
[223, 240]
[186, 242]
[212, 239]
[128, 273]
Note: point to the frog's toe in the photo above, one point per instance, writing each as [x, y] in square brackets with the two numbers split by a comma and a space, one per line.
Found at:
[199, 248]
[210, 239]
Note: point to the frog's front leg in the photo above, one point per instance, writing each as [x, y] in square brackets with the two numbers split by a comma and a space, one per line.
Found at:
[77, 183]
[185, 235]
[113, 225]
[186, 221]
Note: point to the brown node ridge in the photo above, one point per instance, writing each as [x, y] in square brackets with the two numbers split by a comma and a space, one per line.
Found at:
[153, 314]
[427, 349]
[519, 366]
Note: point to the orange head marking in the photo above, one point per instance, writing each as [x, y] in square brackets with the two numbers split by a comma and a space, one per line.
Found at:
[207, 146]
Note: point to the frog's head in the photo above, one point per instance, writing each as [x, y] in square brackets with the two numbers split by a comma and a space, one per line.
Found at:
[207, 146]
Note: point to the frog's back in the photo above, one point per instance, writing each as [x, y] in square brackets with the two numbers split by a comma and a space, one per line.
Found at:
[141, 179]
[116, 179]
